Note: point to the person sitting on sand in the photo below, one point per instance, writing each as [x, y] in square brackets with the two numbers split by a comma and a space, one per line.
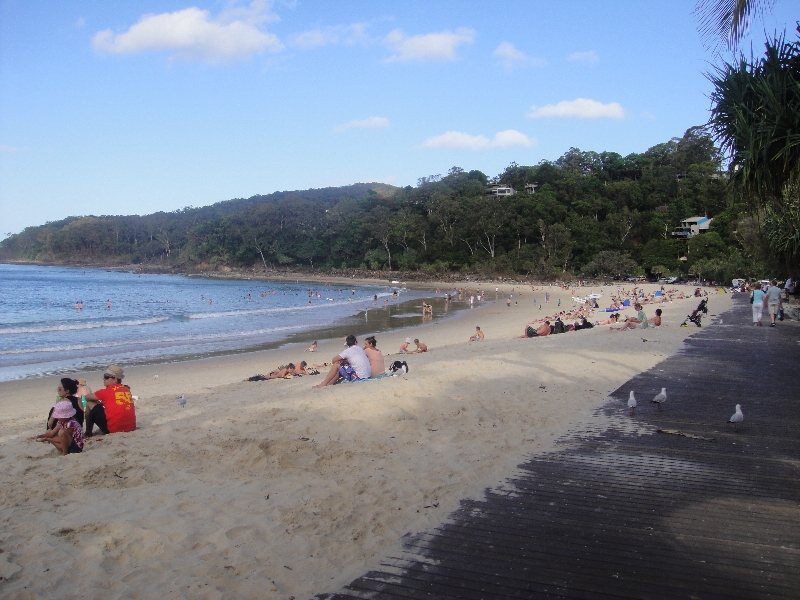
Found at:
[374, 356]
[656, 321]
[404, 346]
[420, 347]
[632, 322]
[350, 364]
[283, 372]
[478, 335]
[66, 391]
[111, 408]
[67, 435]
[311, 348]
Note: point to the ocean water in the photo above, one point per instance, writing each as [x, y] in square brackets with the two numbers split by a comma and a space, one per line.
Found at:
[130, 318]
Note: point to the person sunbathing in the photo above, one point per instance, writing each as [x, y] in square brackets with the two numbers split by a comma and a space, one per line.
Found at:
[286, 372]
[301, 368]
[610, 320]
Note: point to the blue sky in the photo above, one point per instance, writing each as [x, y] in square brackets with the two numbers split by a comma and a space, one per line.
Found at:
[134, 107]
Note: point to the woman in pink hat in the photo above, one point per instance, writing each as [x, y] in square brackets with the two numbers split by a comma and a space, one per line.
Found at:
[67, 435]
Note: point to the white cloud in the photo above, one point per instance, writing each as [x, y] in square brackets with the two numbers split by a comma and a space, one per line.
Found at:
[510, 57]
[368, 123]
[8, 149]
[589, 57]
[580, 108]
[345, 34]
[192, 35]
[427, 47]
[459, 140]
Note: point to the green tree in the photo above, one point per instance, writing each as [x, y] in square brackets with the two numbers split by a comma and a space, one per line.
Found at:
[756, 118]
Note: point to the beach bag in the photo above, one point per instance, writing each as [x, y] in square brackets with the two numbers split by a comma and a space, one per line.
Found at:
[558, 327]
[751, 298]
[348, 373]
[398, 368]
[530, 332]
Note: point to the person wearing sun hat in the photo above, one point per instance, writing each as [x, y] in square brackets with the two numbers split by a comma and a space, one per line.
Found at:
[67, 435]
[111, 408]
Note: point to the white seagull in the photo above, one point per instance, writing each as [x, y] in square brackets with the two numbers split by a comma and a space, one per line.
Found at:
[632, 402]
[661, 398]
[737, 417]
[182, 401]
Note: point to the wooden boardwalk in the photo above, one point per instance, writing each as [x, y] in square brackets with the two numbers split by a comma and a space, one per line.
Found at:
[621, 514]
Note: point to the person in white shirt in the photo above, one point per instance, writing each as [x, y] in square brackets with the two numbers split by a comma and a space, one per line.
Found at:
[350, 364]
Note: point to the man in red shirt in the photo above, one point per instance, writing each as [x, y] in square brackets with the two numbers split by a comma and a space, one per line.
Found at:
[111, 408]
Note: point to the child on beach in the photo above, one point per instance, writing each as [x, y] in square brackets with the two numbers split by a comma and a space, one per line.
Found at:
[420, 347]
[67, 435]
[311, 348]
[404, 346]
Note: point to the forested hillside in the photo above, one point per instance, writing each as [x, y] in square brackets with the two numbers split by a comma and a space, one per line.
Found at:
[592, 213]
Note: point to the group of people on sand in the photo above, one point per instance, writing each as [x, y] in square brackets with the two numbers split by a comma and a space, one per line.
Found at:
[73, 418]
[565, 322]
[286, 372]
[355, 363]
[419, 347]
[640, 320]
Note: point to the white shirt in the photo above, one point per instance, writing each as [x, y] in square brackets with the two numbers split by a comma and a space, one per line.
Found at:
[358, 360]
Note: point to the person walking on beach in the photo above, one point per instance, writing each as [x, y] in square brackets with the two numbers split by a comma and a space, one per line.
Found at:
[757, 299]
[774, 301]
[111, 408]
[350, 364]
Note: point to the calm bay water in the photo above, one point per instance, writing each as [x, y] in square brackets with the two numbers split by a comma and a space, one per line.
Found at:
[158, 318]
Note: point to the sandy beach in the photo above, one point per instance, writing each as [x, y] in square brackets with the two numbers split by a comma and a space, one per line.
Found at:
[273, 489]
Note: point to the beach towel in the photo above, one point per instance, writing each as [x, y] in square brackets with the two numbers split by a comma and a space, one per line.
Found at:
[384, 376]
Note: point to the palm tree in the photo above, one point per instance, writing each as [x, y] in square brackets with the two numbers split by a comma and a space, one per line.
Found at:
[728, 20]
[755, 116]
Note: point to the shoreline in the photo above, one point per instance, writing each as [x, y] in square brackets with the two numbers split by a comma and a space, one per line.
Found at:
[266, 475]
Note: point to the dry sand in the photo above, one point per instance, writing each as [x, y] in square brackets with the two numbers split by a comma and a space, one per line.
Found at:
[273, 489]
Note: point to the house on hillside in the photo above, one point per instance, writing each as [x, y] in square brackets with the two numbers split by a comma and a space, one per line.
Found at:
[500, 190]
[691, 227]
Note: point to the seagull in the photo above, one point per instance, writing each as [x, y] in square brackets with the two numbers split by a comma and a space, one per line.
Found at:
[661, 398]
[632, 402]
[737, 417]
[182, 401]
